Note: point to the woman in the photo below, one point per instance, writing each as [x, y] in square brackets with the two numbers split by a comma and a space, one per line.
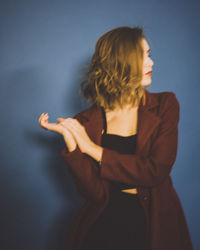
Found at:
[120, 152]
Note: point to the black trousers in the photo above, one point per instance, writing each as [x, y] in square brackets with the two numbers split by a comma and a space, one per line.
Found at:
[121, 226]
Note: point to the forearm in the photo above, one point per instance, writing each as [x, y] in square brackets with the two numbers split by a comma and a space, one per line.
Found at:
[85, 173]
[70, 146]
[95, 151]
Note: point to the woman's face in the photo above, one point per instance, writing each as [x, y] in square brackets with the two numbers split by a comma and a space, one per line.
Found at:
[147, 64]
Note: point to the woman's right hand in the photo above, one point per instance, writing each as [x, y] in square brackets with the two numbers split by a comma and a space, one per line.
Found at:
[58, 128]
[55, 127]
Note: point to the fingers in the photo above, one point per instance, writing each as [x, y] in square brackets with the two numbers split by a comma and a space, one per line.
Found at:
[73, 126]
[74, 122]
[60, 119]
[43, 119]
[66, 122]
[70, 123]
[42, 116]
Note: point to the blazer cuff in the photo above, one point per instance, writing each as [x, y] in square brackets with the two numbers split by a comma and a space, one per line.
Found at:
[102, 162]
[71, 156]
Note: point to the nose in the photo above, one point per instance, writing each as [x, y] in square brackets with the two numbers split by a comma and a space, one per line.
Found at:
[151, 62]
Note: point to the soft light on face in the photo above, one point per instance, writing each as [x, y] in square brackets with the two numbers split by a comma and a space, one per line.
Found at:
[147, 64]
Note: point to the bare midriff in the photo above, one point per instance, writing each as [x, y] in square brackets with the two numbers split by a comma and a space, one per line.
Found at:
[130, 191]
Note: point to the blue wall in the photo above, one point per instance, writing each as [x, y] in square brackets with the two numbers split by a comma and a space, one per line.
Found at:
[43, 48]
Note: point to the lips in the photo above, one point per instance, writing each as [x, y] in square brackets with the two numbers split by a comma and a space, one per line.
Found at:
[149, 73]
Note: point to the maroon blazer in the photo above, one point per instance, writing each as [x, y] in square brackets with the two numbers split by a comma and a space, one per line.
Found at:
[148, 169]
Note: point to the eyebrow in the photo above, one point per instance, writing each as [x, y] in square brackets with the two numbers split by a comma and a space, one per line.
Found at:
[148, 50]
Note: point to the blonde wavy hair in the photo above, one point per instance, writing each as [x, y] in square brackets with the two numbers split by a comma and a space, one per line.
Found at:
[113, 77]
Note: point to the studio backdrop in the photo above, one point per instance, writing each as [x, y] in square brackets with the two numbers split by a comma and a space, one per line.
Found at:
[44, 48]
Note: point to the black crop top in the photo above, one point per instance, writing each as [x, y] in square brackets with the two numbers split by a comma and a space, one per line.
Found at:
[121, 144]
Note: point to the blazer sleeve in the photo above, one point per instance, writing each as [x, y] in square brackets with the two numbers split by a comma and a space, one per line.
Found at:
[152, 170]
[85, 172]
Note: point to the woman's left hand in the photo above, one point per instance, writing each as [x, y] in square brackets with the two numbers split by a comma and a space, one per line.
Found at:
[79, 133]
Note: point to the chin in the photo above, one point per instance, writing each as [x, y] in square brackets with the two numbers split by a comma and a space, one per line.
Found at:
[147, 83]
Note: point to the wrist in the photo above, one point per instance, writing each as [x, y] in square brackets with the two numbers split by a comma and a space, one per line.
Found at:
[71, 144]
[64, 132]
[95, 151]
[71, 148]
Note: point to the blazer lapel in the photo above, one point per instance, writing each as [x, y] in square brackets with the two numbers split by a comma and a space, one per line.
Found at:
[147, 121]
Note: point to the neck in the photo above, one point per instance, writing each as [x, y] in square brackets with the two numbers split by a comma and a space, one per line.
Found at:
[126, 108]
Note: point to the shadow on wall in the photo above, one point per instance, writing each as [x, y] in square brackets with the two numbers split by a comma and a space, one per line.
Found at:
[24, 96]
[62, 222]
